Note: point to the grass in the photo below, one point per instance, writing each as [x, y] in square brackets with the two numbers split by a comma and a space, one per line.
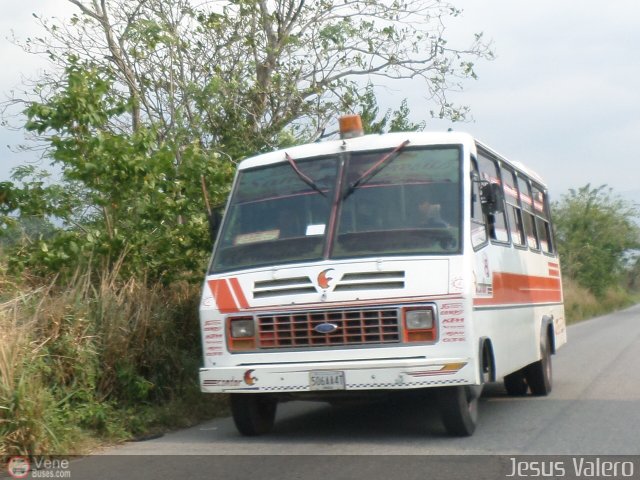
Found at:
[581, 304]
[99, 360]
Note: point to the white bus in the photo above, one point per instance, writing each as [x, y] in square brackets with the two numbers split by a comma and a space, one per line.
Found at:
[381, 263]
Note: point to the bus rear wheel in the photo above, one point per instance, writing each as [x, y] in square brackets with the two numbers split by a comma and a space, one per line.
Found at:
[459, 409]
[253, 414]
[539, 374]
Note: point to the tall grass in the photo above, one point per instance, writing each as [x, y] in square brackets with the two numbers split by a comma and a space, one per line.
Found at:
[581, 304]
[97, 359]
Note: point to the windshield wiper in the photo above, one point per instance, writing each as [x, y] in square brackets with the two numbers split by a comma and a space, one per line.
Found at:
[380, 164]
[302, 176]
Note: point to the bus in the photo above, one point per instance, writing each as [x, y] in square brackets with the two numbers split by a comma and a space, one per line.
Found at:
[375, 264]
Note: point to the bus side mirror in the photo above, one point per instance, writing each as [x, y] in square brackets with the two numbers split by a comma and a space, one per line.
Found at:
[215, 220]
[492, 198]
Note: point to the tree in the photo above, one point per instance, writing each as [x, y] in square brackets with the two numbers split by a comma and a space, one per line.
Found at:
[398, 121]
[147, 96]
[120, 193]
[234, 74]
[595, 229]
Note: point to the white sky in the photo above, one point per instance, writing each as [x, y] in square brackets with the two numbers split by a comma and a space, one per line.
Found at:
[562, 96]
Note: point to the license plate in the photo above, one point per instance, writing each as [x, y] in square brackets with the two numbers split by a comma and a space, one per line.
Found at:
[326, 380]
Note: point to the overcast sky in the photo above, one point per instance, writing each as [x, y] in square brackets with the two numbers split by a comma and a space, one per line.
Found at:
[562, 95]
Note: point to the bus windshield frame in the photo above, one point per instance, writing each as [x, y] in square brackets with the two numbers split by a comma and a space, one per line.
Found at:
[413, 206]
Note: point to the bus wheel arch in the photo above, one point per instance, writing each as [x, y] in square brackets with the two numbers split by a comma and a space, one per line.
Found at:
[548, 326]
[486, 361]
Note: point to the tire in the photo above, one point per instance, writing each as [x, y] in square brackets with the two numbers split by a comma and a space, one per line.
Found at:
[253, 414]
[459, 409]
[516, 384]
[539, 374]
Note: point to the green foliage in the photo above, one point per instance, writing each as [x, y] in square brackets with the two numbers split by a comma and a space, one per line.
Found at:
[594, 230]
[120, 192]
[398, 121]
[369, 112]
[580, 303]
[633, 273]
[165, 93]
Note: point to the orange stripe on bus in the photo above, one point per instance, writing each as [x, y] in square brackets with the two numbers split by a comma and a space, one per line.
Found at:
[554, 272]
[511, 288]
[222, 293]
[237, 289]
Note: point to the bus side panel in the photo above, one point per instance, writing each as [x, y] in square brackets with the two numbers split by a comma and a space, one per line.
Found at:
[516, 294]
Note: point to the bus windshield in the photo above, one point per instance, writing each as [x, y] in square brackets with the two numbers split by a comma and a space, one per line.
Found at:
[412, 206]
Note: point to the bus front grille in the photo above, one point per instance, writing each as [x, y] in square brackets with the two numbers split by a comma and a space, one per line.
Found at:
[329, 328]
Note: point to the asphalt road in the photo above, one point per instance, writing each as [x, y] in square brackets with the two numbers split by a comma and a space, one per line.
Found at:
[594, 409]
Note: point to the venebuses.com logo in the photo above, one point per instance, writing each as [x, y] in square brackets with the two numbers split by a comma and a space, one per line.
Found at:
[38, 467]
[18, 467]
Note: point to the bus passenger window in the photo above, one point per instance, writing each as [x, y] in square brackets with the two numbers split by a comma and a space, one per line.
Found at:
[478, 225]
[497, 221]
[526, 201]
[513, 206]
[541, 208]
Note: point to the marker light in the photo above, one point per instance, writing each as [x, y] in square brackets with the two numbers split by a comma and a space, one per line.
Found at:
[350, 126]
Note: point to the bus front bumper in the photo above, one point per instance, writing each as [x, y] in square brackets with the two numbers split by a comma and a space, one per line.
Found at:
[346, 376]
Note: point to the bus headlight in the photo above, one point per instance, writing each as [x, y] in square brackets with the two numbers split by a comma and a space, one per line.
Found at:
[242, 328]
[241, 334]
[419, 319]
[419, 324]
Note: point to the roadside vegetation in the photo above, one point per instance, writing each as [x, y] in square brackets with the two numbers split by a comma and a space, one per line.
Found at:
[145, 110]
[96, 359]
[598, 239]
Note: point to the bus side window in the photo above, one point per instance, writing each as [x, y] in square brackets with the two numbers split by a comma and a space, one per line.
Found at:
[497, 221]
[526, 200]
[513, 206]
[478, 224]
[541, 208]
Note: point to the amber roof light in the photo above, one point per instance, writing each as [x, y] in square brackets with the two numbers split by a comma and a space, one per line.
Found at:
[350, 126]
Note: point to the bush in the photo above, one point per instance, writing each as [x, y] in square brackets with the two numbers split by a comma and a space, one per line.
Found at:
[595, 231]
[580, 303]
[99, 359]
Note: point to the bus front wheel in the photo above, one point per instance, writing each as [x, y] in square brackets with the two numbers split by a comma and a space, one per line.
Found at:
[253, 414]
[459, 409]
